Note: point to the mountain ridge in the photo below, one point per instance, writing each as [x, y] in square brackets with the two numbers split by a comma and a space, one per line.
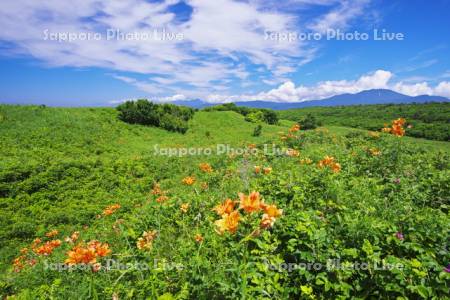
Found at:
[367, 97]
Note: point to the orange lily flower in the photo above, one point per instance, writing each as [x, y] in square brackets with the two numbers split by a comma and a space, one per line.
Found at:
[267, 170]
[374, 151]
[52, 233]
[162, 198]
[270, 216]
[188, 180]
[292, 153]
[336, 167]
[329, 161]
[109, 210]
[267, 221]
[225, 208]
[306, 161]
[250, 203]
[47, 248]
[198, 238]
[205, 167]
[257, 169]
[228, 223]
[146, 241]
[294, 128]
[396, 128]
[101, 249]
[184, 207]
[156, 189]
[272, 211]
[73, 237]
[81, 255]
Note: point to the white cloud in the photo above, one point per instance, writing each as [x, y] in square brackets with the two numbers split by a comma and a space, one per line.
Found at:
[148, 87]
[413, 89]
[288, 92]
[223, 42]
[124, 78]
[223, 45]
[177, 97]
[273, 81]
[213, 48]
[340, 17]
[443, 89]
[419, 66]
[380, 79]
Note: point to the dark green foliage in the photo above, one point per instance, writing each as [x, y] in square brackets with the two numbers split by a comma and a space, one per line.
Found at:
[270, 116]
[253, 115]
[257, 130]
[167, 116]
[309, 122]
[429, 121]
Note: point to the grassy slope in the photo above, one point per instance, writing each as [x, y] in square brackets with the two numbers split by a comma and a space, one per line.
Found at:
[429, 121]
[65, 132]
[37, 143]
[429, 145]
[61, 166]
[30, 133]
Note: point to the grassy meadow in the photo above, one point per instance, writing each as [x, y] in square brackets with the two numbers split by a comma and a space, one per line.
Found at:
[90, 211]
[429, 120]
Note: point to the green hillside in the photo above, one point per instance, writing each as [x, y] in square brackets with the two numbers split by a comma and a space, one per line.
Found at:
[430, 121]
[380, 200]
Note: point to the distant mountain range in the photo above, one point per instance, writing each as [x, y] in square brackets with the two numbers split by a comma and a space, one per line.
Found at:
[377, 96]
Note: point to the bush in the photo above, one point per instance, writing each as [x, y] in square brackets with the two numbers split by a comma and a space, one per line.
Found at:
[257, 130]
[309, 122]
[270, 116]
[167, 116]
[253, 115]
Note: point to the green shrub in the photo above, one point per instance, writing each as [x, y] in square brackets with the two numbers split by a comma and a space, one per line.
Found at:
[166, 116]
[257, 130]
[270, 116]
[253, 115]
[309, 122]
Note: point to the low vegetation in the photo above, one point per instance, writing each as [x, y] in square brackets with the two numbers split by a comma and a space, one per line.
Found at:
[253, 115]
[90, 211]
[167, 116]
[309, 122]
[429, 121]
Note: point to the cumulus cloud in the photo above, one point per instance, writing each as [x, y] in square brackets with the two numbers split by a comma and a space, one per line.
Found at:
[177, 97]
[443, 89]
[215, 52]
[228, 47]
[288, 92]
[416, 89]
[213, 48]
[380, 79]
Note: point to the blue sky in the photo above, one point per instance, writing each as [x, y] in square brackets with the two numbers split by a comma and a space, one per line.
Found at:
[219, 51]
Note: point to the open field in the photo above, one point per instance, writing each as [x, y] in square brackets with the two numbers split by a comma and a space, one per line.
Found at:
[430, 121]
[377, 199]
